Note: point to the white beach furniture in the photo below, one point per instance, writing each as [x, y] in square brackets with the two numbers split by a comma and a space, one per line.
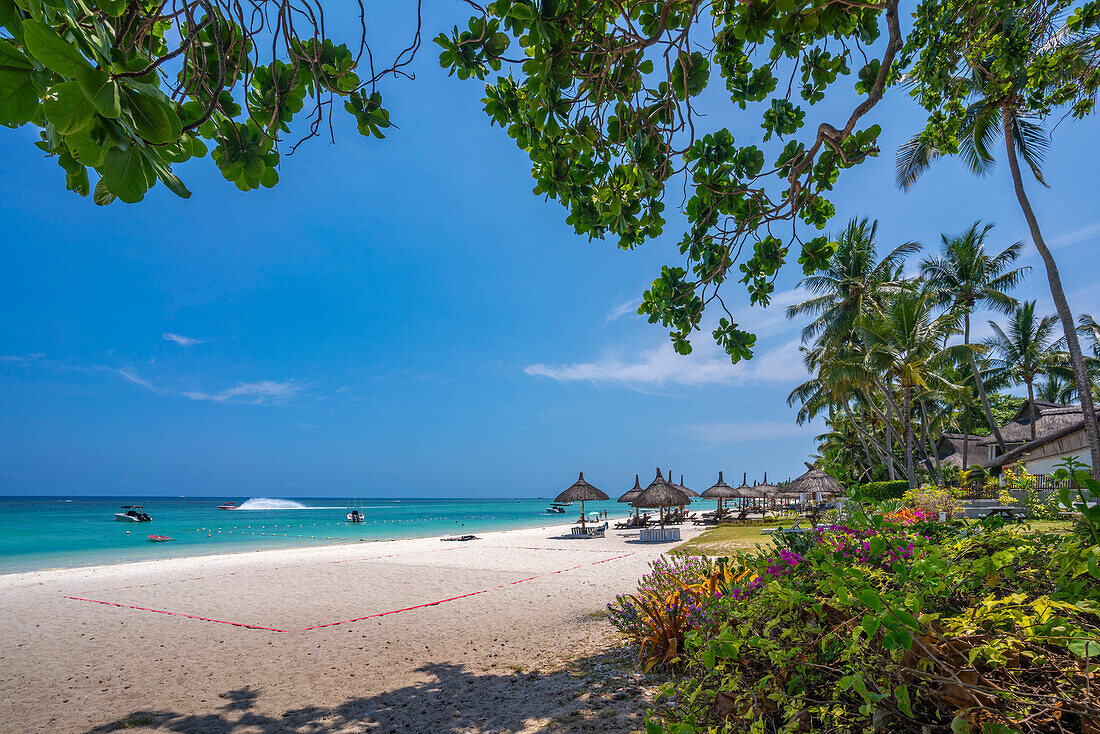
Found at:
[659, 535]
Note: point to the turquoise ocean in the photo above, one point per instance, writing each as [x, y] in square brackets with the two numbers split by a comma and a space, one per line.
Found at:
[57, 532]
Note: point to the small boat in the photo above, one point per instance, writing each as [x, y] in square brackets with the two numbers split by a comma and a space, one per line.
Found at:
[227, 506]
[133, 513]
[556, 508]
[159, 538]
[355, 512]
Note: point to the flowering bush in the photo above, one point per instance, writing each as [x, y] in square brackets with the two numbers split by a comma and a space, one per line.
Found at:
[878, 627]
[933, 500]
[908, 516]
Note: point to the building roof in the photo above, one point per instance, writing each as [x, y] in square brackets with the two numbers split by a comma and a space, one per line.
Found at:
[1050, 418]
[976, 453]
[1017, 453]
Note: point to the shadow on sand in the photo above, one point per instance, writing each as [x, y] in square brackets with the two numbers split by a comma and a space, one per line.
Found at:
[588, 696]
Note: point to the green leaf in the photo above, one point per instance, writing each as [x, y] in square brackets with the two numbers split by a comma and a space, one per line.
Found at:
[901, 695]
[51, 50]
[127, 174]
[84, 149]
[100, 195]
[18, 96]
[871, 599]
[171, 180]
[12, 57]
[66, 107]
[102, 90]
[153, 119]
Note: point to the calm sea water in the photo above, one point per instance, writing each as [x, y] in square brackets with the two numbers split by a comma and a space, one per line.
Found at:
[52, 532]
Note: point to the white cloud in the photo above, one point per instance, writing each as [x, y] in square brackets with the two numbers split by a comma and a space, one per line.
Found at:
[622, 309]
[22, 357]
[265, 392]
[1077, 236]
[662, 367]
[734, 433]
[132, 377]
[183, 341]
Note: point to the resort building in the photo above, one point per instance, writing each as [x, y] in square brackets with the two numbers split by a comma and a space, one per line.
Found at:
[1059, 432]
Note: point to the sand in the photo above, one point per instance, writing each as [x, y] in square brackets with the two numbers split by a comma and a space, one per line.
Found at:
[329, 639]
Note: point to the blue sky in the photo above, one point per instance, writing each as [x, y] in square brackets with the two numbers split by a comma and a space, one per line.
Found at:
[404, 318]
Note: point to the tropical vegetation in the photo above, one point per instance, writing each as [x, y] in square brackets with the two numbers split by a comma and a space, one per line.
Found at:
[603, 96]
[892, 364]
[884, 620]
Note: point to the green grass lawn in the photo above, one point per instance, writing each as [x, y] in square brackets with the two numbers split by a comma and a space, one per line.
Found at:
[1060, 526]
[722, 541]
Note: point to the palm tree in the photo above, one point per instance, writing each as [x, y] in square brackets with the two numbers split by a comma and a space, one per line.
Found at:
[1005, 106]
[906, 343]
[1055, 389]
[1026, 351]
[965, 276]
[854, 284]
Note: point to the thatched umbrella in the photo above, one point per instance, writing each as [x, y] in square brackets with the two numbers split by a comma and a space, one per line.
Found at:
[661, 494]
[720, 491]
[746, 492]
[682, 488]
[581, 491]
[631, 494]
[814, 481]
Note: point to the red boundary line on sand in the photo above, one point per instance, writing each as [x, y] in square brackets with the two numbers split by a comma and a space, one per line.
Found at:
[356, 619]
[463, 596]
[177, 614]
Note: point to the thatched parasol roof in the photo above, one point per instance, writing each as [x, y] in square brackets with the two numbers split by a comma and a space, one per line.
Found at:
[661, 494]
[751, 493]
[685, 490]
[581, 491]
[720, 490]
[813, 481]
[632, 493]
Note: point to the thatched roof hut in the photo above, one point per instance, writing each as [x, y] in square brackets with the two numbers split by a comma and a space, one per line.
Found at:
[631, 494]
[581, 491]
[682, 488]
[661, 494]
[720, 490]
[814, 481]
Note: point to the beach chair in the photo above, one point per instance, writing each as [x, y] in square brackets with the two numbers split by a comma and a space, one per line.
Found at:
[792, 529]
[598, 531]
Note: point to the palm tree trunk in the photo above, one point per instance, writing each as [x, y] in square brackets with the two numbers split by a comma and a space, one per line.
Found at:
[885, 453]
[1031, 405]
[1073, 344]
[980, 384]
[889, 435]
[862, 443]
[926, 457]
[966, 434]
[907, 428]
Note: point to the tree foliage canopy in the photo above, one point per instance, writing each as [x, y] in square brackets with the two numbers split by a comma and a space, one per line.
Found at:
[601, 94]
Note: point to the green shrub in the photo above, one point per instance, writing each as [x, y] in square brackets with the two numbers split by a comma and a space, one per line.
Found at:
[879, 491]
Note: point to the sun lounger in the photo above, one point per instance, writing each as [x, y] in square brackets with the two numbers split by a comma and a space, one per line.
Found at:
[597, 531]
[792, 529]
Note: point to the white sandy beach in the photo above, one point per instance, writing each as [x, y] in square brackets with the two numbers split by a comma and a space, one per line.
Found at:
[398, 636]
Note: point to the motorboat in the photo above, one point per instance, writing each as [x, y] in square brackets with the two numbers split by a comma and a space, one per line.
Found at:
[560, 509]
[160, 538]
[355, 512]
[227, 506]
[133, 513]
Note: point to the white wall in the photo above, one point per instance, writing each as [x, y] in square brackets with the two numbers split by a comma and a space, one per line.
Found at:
[1048, 464]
